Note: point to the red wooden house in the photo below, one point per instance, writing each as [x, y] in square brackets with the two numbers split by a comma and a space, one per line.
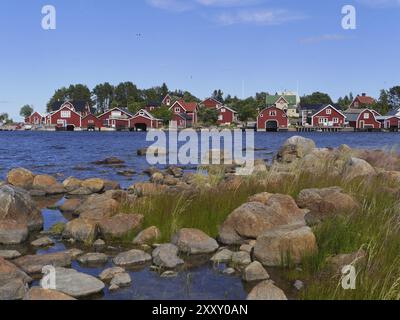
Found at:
[272, 119]
[143, 121]
[328, 116]
[91, 122]
[116, 118]
[389, 122]
[34, 119]
[185, 112]
[212, 103]
[167, 101]
[226, 115]
[363, 119]
[66, 118]
[362, 101]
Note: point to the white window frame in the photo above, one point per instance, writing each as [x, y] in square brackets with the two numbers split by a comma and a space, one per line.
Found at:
[335, 120]
[66, 114]
[177, 109]
[272, 113]
[366, 115]
[329, 111]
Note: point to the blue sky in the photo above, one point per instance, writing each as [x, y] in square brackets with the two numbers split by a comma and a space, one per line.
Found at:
[198, 45]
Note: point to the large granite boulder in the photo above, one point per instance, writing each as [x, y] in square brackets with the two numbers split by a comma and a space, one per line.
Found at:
[16, 204]
[255, 272]
[13, 281]
[12, 232]
[295, 148]
[94, 185]
[99, 206]
[194, 241]
[40, 294]
[263, 212]
[21, 178]
[284, 244]
[325, 203]
[47, 184]
[120, 225]
[358, 168]
[83, 230]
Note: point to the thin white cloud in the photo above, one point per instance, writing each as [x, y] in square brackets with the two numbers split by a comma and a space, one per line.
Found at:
[259, 17]
[324, 37]
[171, 5]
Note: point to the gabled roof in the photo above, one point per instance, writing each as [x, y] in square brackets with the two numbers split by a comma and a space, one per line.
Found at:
[79, 106]
[187, 106]
[213, 99]
[394, 112]
[272, 99]
[146, 114]
[271, 107]
[354, 114]
[124, 110]
[328, 106]
[364, 99]
[225, 107]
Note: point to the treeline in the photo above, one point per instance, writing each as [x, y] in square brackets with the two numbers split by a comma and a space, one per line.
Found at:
[124, 95]
[127, 95]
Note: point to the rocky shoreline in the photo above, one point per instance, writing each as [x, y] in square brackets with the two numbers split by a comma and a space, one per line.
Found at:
[269, 230]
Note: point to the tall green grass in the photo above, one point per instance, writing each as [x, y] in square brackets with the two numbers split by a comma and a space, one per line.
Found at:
[374, 227]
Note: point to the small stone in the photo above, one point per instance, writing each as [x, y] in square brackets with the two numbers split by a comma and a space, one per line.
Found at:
[113, 287]
[131, 258]
[93, 258]
[57, 229]
[229, 271]
[147, 236]
[121, 280]
[110, 273]
[166, 256]
[241, 258]
[42, 242]
[223, 256]
[169, 274]
[299, 285]
[266, 290]
[9, 254]
[99, 244]
[75, 253]
[255, 272]
[246, 248]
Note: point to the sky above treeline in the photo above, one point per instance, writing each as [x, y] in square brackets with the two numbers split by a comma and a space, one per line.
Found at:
[239, 46]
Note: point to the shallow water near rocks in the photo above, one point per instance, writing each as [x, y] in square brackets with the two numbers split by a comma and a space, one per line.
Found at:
[71, 154]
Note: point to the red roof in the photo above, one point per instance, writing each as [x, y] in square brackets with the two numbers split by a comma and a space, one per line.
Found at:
[189, 106]
[365, 100]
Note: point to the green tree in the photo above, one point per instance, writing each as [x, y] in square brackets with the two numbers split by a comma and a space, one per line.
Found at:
[78, 92]
[218, 95]
[316, 98]
[208, 116]
[104, 94]
[4, 117]
[246, 109]
[126, 92]
[164, 90]
[26, 111]
[345, 102]
[163, 113]
[134, 106]
[393, 97]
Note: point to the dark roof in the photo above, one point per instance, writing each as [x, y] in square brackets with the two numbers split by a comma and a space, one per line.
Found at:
[393, 112]
[318, 107]
[80, 106]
